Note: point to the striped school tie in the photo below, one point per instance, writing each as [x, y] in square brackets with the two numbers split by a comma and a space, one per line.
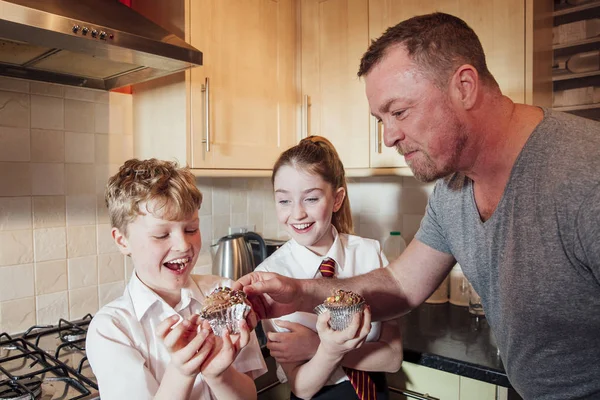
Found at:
[361, 381]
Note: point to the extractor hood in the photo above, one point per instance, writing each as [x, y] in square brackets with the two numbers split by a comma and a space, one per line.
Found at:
[99, 44]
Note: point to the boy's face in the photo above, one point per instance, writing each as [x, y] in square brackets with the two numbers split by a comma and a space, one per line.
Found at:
[163, 252]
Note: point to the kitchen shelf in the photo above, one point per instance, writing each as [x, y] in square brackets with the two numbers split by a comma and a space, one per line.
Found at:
[575, 13]
[567, 76]
[581, 107]
[580, 46]
[265, 173]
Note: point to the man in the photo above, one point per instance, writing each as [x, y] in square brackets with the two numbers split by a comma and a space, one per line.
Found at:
[516, 203]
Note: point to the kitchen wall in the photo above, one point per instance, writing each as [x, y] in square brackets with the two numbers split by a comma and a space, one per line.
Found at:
[59, 145]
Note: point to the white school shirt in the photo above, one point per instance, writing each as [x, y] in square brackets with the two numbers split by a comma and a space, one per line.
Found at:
[129, 361]
[353, 256]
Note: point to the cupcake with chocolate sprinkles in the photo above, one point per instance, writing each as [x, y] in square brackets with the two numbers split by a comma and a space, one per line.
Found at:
[224, 308]
[342, 306]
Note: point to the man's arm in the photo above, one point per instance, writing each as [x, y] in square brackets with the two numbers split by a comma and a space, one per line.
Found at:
[390, 292]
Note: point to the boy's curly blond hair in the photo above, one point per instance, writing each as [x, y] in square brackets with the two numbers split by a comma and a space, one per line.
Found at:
[172, 190]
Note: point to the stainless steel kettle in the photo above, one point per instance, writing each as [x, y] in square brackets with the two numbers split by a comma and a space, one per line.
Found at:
[233, 257]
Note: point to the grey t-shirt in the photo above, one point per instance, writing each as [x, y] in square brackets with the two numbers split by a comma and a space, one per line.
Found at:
[536, 261]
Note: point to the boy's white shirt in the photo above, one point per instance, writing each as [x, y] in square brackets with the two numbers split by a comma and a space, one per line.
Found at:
[128, 359]
[353, 256]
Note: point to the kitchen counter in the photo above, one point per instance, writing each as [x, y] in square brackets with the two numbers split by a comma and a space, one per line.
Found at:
[446, 337]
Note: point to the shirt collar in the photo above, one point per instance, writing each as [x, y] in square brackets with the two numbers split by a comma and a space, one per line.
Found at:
[143, 297]
[310, 262]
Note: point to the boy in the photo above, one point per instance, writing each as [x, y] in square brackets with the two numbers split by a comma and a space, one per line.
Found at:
[149, 343]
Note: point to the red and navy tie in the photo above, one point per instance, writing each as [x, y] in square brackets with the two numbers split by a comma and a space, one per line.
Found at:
[361, 381]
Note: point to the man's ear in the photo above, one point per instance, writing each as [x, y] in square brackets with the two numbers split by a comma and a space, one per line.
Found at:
[464, 86]
[340, 195]
[121, 241]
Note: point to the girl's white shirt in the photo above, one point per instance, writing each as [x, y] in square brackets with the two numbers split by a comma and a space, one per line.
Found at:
[353, 256]
[125, 354]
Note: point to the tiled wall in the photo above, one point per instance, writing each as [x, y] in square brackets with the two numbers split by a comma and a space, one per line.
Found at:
[58, 146]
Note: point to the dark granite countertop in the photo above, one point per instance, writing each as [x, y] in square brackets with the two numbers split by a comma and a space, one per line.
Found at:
[446, 337]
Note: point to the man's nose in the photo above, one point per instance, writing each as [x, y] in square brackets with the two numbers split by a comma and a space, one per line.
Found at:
[391, 134]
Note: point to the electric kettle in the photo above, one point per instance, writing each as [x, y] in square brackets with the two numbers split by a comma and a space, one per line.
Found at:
[233, 257]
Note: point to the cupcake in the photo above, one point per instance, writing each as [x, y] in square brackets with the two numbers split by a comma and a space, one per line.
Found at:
[224, 308]
[342, 306]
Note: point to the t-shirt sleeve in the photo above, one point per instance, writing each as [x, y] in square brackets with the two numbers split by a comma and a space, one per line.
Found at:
[119, 367]
[431, 232]
[587, 240]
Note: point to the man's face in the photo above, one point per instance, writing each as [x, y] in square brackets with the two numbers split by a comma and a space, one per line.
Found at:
[305, 204]
[419, 119]
[163, 252]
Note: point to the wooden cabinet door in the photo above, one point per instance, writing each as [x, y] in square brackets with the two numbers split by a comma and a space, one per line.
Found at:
[500, 25]
[334, 37]
[249, 60]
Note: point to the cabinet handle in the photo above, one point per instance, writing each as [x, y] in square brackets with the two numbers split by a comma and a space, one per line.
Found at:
[411, 394]
[378, 134]
[305, 117]
[206, 90]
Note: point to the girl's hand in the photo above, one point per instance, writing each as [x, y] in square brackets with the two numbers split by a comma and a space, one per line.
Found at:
[338, 343]
[299, 344]
[225, 350]
[188, 343]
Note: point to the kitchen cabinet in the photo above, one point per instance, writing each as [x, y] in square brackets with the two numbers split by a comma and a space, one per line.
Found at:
[238, 110]
[335, 34]
[576, 50]
[434, 384]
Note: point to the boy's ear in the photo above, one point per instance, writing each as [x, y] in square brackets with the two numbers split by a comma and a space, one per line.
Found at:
[121, 241]
[340, 195]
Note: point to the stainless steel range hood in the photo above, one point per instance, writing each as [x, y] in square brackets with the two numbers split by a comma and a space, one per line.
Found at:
[99, 44]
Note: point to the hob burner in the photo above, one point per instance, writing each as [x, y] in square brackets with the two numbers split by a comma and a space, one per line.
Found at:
[72, 335]
[21, 389]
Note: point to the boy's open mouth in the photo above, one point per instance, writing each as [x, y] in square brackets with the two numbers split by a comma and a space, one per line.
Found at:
[177, 265]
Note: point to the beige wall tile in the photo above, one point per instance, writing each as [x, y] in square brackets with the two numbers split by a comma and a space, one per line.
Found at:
[14, 85]
[47, 89]
[14, 144]
[15, 178]
[239, 201]
[16, 282]
[79, 148]
[50, 277]
[111, 268]
[47, 179]
[101, 118]
[101, 96]
[109, 292]
[47, 112]
[50, 308]
[14, 109]
[101, 210]
[205, 187]
[103, 172]
[17, 315]
[240, 219]
[206, 232]
[116, 117]
[106, 244]
[50, 244]
[220, 201]
[220, 226]
[16, 247]
[81, 241]
[256, 219]
[101, 148]
[79, 116]
[15, 213]
[410, 226]
[83, 301]
[80, 179]
[413, 200]
[48, 211]
[128, 268]
[81, 210]
[83, 272]
[47, 146]
[76, 93]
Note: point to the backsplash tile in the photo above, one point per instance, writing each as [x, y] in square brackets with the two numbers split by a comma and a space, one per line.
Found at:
[53, 175]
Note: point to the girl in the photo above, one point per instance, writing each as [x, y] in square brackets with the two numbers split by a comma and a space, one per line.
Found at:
[311, 202]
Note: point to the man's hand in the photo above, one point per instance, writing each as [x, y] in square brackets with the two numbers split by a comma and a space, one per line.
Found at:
[297, 345]
[272, 295]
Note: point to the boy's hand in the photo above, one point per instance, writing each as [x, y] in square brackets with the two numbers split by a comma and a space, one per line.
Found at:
[299, 344]
[225, 351]
[338, 343]
[187, 344]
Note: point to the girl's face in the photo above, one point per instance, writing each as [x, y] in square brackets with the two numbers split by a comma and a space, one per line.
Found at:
[305, 204]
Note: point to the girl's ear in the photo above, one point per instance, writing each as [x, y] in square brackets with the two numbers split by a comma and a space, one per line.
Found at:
[339, 196]
[121, 241]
